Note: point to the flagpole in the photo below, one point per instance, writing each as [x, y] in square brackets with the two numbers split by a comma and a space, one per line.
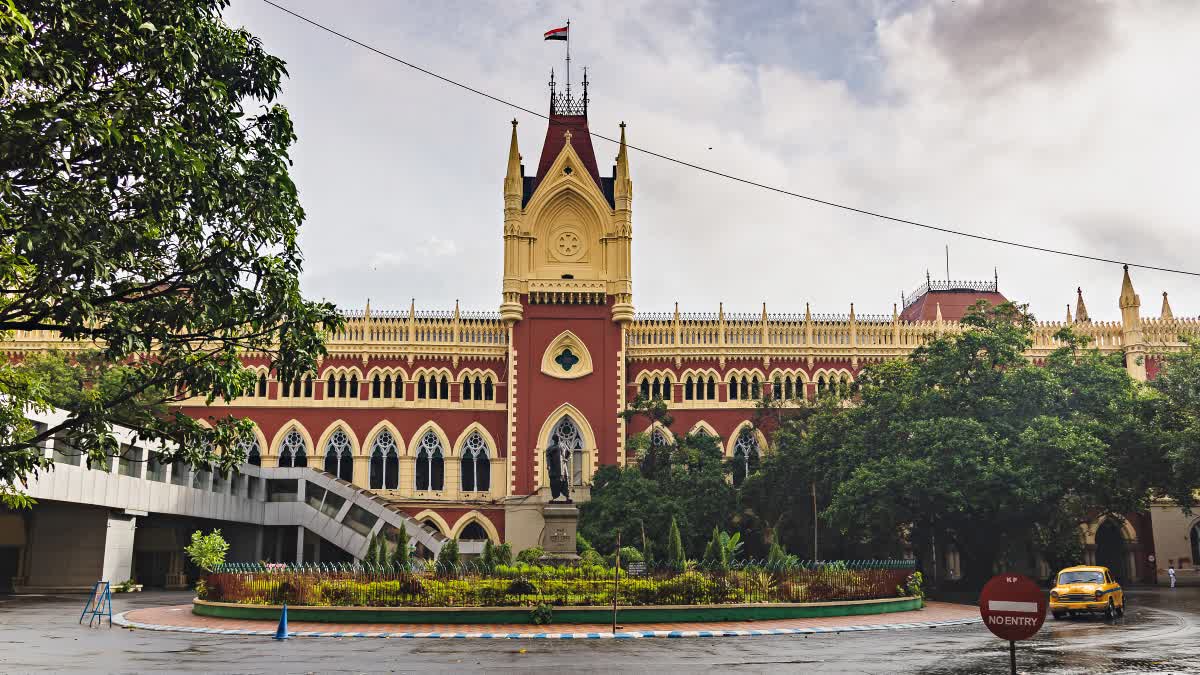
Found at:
[568, 58]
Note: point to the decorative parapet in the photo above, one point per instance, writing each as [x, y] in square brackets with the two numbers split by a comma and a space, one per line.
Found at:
[684, 336]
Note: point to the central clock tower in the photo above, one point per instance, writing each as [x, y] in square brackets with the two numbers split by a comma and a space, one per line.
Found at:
[567, 296]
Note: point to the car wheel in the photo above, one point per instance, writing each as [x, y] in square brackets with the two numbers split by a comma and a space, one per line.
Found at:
[1110, 611]
[1121, 610]
[1059, 615]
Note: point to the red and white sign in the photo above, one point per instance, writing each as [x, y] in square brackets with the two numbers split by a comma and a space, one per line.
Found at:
[1013, 607]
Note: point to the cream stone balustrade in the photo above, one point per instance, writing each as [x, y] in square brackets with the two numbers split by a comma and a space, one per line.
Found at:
[1159, 333]
[453, 334]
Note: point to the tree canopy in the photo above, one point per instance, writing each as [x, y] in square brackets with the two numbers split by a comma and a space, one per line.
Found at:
[146, 210]
[968, 442]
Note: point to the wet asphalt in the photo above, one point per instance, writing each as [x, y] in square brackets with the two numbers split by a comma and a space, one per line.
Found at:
[1159, 634]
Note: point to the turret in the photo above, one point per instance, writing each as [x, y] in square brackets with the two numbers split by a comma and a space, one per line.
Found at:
[1081, 313]
[623, 223]
[1131, 330]
[514, 187]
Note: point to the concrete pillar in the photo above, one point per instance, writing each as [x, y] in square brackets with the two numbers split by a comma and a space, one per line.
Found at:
[258, 543]
[118, 548]
[299, 544]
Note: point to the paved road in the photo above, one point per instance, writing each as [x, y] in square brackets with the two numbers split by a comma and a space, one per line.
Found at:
[1159, 634]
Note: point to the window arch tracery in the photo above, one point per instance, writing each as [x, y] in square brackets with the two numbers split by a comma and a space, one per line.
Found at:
[746, 455]
[385, 462]
[293, 452]
[251, 451]
[476, 465]
[566, 432]
[431, 466]
[339, 456]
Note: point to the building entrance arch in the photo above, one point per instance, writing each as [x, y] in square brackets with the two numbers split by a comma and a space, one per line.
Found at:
[1112, 550]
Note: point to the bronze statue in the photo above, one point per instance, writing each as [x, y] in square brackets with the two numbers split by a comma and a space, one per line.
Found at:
[557, 465]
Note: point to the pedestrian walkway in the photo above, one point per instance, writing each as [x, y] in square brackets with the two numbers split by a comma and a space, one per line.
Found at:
[180, 618]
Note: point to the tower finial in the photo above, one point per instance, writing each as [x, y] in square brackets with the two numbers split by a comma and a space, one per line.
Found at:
[1081, 313]
[1166, 313]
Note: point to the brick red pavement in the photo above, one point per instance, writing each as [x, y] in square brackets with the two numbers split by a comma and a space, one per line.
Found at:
[181, 616]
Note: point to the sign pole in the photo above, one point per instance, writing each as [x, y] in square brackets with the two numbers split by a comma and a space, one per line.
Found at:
[1013, 607]
[1012, 655]
[616, 583]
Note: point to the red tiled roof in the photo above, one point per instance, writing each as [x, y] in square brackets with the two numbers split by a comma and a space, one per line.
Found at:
[954, 304]
[581, 140]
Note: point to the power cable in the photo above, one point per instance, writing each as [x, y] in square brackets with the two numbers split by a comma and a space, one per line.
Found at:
[714, 172]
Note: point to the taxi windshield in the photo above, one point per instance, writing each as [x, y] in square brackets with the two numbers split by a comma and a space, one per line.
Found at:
[1081, 578]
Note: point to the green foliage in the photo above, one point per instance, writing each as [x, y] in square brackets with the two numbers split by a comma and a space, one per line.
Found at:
[675, 553]
[591, 557]
[504, 554]
[447, 558]
[402, 556]
[628, 554]
[714, 554]
[581, 544]
[531, 555]
[145, 206]
[372, 555]
[914, 586]
[201, 588]
[1174, 411]
[542, 614]
[207, 551]
[967, 442]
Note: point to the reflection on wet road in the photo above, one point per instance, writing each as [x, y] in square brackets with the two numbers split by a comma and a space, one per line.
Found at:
[1159, 634]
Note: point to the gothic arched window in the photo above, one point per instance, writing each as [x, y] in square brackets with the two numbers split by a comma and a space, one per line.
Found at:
[489, 390]
[252, 452]
[353, 393]
[444, 389]
[377, 387]
[387, 387]
[339, 456]
[745, 455]
[262, 386]
[476, 468]
[385, 462]
[473, 532]
[644, 389]
[711, 393]
[431, 468]
[421, 392]
[689, 389]
[568, 436]
[292, 451]
[466, 388]
[308, 386]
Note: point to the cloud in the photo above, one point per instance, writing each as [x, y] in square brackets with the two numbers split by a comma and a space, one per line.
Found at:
[1066, 125]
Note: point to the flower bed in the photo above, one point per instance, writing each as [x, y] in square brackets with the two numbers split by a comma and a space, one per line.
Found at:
[531, 585]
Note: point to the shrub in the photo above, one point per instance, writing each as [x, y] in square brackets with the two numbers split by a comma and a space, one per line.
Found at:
[628, 554]
[913, 586]
[207, 551]
[504, 554]
[591, 558]
[447, 558]
[581, 544]
[675, 554]
[522, 586]
[201, 588]
[542, 614]
[531, 556]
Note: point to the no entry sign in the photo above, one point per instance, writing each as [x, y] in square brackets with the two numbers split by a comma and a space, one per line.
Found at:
[1013, 607]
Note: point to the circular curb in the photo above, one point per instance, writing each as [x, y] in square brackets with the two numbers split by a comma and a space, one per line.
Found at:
[120, 620]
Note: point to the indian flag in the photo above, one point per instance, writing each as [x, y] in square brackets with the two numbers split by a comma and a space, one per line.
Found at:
[557, 33]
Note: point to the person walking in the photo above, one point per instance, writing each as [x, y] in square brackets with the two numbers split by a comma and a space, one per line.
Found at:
[1171, 573]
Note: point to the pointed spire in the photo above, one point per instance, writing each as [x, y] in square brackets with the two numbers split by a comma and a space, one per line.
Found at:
[1069, 319]
[367, 311]
[1128, 297]
[939, 312]
[1166, 314]
[513, 179]
[456, 314]
[412, 308]
[807, 314]
[1081, 313]
[720, 311]
[764, 314]
[895, 313]
[677, 311]
[852, 311]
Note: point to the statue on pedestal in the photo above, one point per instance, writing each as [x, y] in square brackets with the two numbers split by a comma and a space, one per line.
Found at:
[558, 460]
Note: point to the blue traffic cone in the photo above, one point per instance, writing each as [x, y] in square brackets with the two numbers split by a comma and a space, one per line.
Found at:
[281, 633]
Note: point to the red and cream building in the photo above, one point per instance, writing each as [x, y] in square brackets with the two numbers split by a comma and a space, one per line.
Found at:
[448, 413]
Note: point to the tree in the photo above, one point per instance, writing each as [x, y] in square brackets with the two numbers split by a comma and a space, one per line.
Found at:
[1174, 412]
[372, 556]
[402, 556]
[207, 551]
[675, 555]
[967, 442]
[448, 559]
[146, 212]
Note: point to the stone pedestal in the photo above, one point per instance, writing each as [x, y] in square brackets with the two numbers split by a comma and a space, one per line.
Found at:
[558, 536]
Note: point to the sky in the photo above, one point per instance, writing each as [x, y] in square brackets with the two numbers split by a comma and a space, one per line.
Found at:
[1067, 125]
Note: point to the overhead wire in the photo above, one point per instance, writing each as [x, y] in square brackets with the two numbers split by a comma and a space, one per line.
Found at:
[722, 174]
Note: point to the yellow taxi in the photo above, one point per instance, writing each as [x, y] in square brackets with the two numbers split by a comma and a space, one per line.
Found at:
[1086, 589]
